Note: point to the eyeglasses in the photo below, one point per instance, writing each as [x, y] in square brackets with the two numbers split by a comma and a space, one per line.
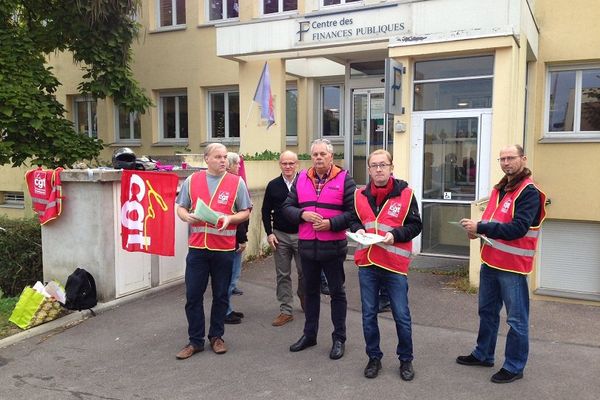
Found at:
[509, 159]
[288, 164]
[379, 166]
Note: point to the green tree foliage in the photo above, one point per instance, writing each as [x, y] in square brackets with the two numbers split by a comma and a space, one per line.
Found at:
[99, 34]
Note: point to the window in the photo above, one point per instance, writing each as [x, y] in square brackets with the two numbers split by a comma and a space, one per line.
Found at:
[171, 12]
[331, 108]
[128, 125]
[291, 112]
[173, 116]
[277, 6]
[338, 2]
[457, 83]
[12, 199]
[223, 9]
[224, 115]
[84, 116]
[573, 102]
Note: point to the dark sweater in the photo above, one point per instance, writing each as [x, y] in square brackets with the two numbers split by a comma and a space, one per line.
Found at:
[272, 217]
[527, 214]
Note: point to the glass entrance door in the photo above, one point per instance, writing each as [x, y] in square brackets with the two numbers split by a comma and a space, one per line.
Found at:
[370, 130]
[451, 168]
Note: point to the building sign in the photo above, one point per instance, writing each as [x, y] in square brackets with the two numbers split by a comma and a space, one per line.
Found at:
[355, 26]
[393, 86]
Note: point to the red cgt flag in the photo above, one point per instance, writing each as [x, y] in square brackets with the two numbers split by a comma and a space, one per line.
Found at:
[147, 212]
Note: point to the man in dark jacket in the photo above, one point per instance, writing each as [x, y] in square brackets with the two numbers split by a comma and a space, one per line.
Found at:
[283, 237]
[321, 202]
[385, 207]
[511, 222]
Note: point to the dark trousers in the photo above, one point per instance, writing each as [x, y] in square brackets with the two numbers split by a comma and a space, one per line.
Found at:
[200, 264]
[334, 271]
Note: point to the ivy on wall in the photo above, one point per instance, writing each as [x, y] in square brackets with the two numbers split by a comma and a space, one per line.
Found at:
[99, 34]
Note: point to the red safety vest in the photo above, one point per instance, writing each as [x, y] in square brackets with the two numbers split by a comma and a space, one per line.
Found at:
[511, 255]
[394, 257]
[204, 235]
[46, 192]
[328, 204]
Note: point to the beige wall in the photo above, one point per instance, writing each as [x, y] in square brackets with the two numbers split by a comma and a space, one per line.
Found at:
[569, 35]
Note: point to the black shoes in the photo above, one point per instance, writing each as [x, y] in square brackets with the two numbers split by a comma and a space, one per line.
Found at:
[337, 350]
[238, 314]
[302, 344]
[232, 319]
[237, 292]
[372, 368]
[472, 361]
[406, 371]
[504, 376]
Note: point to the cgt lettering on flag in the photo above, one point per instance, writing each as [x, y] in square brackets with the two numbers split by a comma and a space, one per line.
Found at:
[147, 217]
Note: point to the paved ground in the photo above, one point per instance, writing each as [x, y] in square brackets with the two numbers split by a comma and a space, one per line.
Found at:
[127, 352]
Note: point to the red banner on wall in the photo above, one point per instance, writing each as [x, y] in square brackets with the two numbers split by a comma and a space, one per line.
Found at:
[147, 212]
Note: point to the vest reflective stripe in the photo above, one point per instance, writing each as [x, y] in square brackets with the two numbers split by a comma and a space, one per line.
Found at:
[511, 255]
[204, 235]
[396, 257]
[213, 231]
[388, 248]
[380, 226]
[511, 249]
[329, 203]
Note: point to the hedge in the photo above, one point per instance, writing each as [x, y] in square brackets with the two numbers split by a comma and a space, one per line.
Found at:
[20, 254]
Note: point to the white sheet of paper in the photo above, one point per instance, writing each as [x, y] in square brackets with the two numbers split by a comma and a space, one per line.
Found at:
[367, 239]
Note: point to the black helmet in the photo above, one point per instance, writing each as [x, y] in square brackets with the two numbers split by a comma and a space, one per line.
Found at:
[123, 158]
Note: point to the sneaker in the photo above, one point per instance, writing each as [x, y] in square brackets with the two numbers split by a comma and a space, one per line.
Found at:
[237, 292]
[232, 319]
[325, 289]
[406, 371]
[188, 351]
[472, 361]
[372, 368]
[504, 376]
[218, 345]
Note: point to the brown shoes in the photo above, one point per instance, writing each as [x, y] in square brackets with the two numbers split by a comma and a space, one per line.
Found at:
[282, 319]
[218, 345]
[188, 351]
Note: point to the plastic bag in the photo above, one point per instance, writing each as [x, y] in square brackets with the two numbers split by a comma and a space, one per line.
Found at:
[33, 308]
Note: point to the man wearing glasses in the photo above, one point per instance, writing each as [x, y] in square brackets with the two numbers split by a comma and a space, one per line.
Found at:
[511, 222]
[321, 201]
[386, 207]
[283, 237]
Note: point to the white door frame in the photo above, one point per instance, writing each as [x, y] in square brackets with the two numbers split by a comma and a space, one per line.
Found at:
[417, 145]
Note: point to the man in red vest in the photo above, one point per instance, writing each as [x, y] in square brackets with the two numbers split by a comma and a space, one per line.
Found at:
[211, 247]
[321, 202]
[386, 207]
[511, 222]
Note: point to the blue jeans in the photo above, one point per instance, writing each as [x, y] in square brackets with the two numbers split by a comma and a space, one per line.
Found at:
[236, 271]
[372, 279]
[200, 264]
[495, 288]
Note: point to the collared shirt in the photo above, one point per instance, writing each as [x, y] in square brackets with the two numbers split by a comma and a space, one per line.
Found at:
[320, 181]
[290, 182]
